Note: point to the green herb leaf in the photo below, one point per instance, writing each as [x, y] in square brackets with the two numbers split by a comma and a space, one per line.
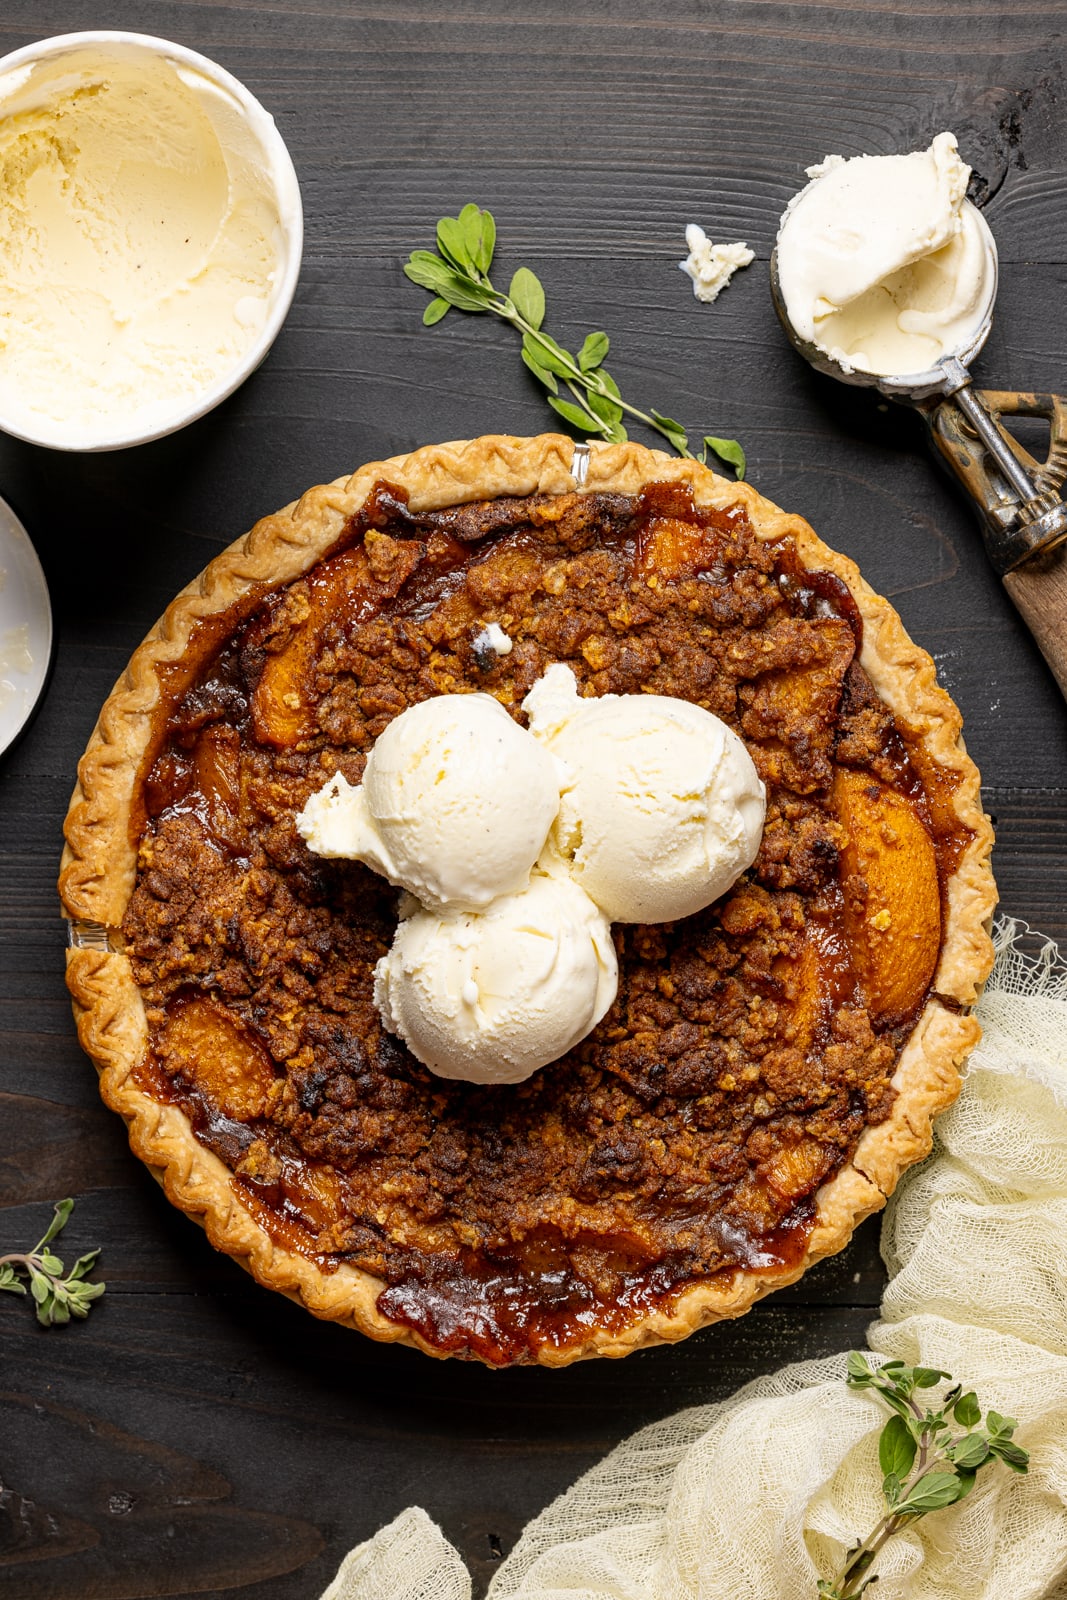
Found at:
[549, 354]
[607, 410]
[1012, 1455]
[452, 243]
[436, 309]
[859, 1370]
[966, 1410]
[463, 294]
[488, 245]
[896, 1403]
[56, 1299]
[673, 430]
[727, 450]
[82, 1266]
[63, 1209]
[929, 1377]
[528, 296]
[969, 1452]
[430, 272]
[891, 1488]
[572, 414]
[932, 1492]
[967, 1480]
[541, 373]
[470, 222]
[896, 1448]
[426, 269]
[594, 349]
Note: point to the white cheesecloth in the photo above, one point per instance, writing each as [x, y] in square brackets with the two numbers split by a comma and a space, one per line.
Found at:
[758, 1496]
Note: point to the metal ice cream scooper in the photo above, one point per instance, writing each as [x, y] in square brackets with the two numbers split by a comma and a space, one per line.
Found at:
[1018, 500]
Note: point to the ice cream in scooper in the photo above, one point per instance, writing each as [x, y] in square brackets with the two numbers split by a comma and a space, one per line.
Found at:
[885, 274]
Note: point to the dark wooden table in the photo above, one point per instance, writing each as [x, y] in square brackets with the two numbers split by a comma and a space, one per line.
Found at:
[199, 1435]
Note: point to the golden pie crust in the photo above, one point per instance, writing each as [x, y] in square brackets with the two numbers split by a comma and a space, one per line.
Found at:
[100, 864]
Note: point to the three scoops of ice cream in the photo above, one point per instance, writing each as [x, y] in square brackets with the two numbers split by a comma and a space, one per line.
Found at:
[520, 848]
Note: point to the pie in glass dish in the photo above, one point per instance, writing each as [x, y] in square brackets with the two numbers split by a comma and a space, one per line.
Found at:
[770, 1065]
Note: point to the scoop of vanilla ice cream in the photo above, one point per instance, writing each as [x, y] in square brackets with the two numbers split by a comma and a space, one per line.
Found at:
[492, 997]
[455, 804]
[662, 808]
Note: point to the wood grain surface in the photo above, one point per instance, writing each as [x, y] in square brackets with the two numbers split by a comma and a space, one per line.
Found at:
[198, 1435]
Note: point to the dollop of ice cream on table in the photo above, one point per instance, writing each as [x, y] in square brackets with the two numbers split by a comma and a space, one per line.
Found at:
[493, 997]
[663, 809]
[139, 237]
[883, 263]
[455, 804]
[711, 266]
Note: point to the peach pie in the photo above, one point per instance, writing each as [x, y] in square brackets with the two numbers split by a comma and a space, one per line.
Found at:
[770, 1064]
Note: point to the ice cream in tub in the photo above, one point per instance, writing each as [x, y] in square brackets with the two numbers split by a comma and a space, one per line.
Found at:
[150, 238]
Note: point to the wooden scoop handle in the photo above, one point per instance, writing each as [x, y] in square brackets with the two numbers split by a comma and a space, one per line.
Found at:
[1039, 591]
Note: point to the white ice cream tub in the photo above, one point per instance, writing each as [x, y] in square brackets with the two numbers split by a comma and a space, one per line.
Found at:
[17, 72]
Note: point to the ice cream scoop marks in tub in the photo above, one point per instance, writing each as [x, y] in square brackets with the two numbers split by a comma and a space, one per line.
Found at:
[150, 238]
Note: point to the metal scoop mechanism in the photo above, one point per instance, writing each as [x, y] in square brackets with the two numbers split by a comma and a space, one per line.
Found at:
[1018, 499]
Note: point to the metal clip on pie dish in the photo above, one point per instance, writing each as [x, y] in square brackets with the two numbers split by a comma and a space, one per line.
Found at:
[1020, 510]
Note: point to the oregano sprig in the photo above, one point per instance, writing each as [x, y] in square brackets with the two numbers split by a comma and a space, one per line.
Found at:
[56, 1298]
[459, 276]
[926, 1462]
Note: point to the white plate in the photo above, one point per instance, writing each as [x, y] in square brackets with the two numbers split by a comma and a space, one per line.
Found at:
[25, 628]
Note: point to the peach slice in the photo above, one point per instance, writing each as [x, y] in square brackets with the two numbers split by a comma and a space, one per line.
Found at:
[805, 992]
[217, 762]
[229, 1067]
[672, 548]
[892, 898]
[789, 711]
[280, 705]
[799, 1169]
[314, 1192]
[352, 585]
